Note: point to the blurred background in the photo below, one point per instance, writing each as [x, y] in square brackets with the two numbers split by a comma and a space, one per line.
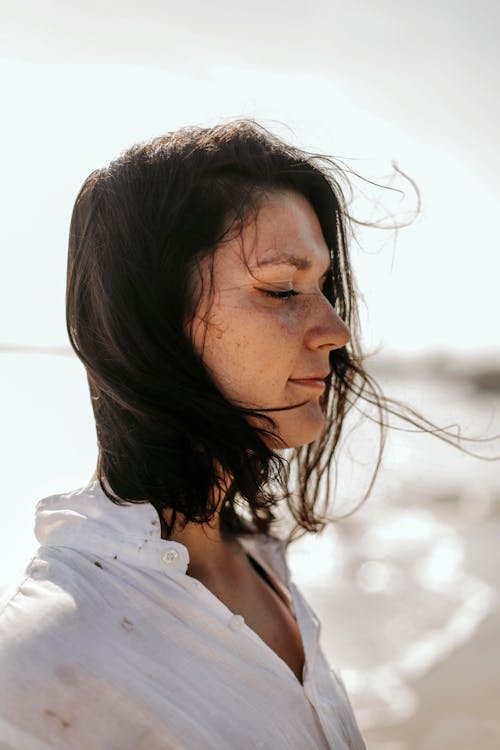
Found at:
[407, 588]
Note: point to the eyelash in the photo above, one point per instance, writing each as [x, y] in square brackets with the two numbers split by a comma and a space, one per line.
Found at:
[288, 294]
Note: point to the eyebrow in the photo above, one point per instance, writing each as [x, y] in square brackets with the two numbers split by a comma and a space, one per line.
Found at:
[295, 261]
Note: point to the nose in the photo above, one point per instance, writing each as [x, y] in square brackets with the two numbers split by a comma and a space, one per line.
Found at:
[327, 331]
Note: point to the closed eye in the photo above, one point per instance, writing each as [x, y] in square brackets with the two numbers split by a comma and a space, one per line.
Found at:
[285, 294]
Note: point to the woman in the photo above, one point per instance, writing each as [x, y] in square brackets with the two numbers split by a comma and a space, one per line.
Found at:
[211, 301]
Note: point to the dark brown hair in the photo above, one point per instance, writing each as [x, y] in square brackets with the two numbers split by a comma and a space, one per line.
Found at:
[138, 230]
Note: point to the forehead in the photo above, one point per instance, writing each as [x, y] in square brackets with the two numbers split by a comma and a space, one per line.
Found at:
[284, 230]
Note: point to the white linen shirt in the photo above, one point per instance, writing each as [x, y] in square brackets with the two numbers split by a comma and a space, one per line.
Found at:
[108, 644]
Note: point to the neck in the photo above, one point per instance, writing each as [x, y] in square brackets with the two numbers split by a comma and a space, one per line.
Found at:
[211, 551]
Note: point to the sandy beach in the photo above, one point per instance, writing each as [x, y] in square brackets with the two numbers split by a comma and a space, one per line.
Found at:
[423, 671]
[459, 698]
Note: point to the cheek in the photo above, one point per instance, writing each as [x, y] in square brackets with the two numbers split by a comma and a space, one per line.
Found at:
[250, 350]
[260, 335]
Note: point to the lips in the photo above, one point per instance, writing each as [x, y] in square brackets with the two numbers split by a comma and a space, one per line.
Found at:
[320, 376]
[311, 381]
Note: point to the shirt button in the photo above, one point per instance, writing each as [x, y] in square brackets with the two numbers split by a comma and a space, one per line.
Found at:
[236, 622]
[170, 556]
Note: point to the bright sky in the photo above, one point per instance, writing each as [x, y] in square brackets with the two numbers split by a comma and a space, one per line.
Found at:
[376, 82]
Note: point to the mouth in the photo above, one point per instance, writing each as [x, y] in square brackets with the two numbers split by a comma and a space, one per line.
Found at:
[317, 384]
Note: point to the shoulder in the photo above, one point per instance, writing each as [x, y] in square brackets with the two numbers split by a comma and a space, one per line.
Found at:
[55, 613]
[33, 617]
[40, 614]
[55, 645]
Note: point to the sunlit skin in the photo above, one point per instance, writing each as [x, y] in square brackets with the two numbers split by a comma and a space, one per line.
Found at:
[264, 351]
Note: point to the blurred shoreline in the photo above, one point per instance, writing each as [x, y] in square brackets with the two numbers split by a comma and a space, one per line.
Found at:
[480, 372]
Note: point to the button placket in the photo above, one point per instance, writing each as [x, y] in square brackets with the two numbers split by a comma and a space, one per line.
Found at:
[236, 622]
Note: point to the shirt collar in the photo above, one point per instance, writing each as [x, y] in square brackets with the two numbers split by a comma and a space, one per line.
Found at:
[88, 521]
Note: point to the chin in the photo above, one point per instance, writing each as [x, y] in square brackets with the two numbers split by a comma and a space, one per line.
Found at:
[305, 430]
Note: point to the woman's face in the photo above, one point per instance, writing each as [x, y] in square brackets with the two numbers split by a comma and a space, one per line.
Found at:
[265, 331]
